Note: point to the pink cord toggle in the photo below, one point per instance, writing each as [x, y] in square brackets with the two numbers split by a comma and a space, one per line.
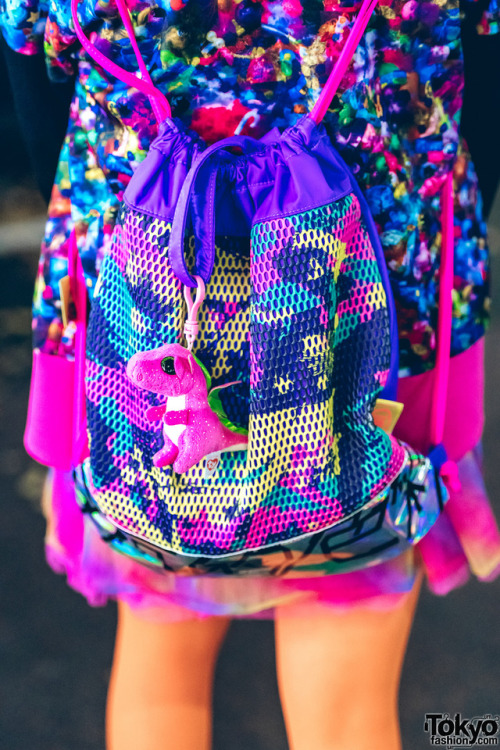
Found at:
[191, 327]
[449, 474]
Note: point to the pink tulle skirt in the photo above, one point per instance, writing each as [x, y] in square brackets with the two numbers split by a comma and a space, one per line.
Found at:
[465, 539]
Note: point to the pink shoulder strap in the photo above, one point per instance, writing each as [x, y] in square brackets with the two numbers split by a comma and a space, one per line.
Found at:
[331, 86]
[444, 312]
[159, 103]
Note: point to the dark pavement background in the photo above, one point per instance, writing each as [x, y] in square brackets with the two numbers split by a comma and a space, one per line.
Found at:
[55, 651]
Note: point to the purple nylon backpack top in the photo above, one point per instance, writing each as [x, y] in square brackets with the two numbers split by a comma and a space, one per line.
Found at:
[252, 449]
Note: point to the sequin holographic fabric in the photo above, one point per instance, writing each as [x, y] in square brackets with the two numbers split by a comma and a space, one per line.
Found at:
[305, 331]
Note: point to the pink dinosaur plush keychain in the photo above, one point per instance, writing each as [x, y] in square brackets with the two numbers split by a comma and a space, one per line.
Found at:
[191, 428]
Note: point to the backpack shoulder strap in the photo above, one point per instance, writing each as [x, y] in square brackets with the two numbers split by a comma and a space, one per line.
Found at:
[159, 103]
[330, 88]
[445, 309]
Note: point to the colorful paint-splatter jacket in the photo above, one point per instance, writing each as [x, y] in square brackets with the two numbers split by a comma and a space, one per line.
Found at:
[250, 65]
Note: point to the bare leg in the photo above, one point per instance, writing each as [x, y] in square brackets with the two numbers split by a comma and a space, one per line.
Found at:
[339, 674]
[160, 693]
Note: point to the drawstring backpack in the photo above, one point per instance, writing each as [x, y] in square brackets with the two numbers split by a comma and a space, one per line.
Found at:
[241, 358]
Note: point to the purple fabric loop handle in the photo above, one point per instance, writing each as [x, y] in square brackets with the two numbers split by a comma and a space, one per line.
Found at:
[159, 103]
[205, 258]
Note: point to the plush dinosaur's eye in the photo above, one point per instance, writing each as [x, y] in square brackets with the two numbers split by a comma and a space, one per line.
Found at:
[167, 365]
